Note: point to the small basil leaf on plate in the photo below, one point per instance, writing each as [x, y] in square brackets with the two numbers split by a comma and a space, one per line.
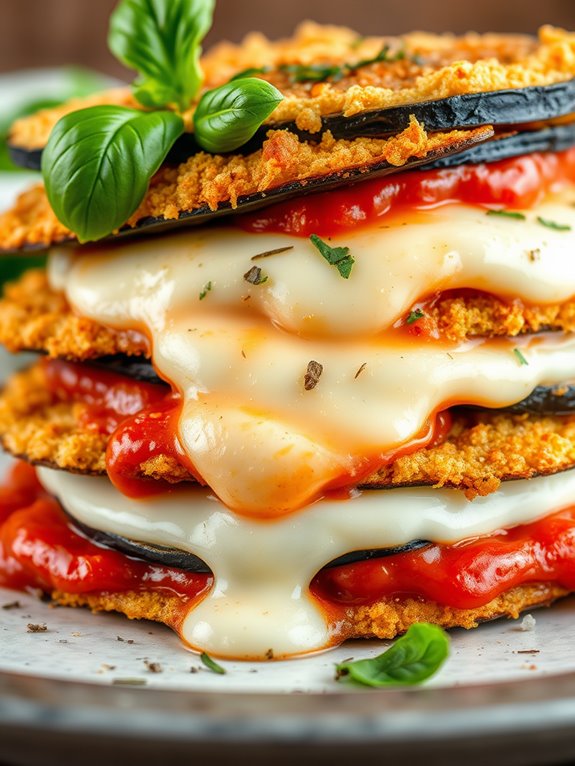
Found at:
[161, 40]
[98, 162]
[412, 659]
[228, 116]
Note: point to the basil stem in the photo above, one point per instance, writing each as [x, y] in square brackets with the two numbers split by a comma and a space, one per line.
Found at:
[412, 659]
[228, 116]
[98, 162]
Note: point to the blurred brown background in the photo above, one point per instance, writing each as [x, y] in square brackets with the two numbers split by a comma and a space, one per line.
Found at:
[52, 32]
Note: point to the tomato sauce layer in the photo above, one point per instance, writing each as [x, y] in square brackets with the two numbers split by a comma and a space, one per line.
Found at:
[141, 420]
[517, 183]
[39, 548]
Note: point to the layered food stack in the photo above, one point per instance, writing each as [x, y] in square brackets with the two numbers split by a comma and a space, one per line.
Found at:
[319, 387]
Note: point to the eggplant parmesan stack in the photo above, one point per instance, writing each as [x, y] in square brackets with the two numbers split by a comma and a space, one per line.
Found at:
[321, 387]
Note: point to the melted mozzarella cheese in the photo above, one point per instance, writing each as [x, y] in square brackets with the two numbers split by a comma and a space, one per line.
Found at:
[260, 597]
[239, 352]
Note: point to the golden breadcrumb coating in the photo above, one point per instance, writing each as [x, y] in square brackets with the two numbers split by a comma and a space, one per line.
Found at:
[482, 449]
[33, 317]
[207, 181]
[420, 67]
[483, 315]
[384, 619]
[485, 448]
[47, 432]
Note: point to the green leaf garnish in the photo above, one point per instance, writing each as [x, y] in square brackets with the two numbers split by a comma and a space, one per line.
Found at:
[412, 659]
[205, 290]
[339, 257]
[322, 72]
[553, 224]
[212, 664]
[507, 214]
[98, 162]
[520, 358]
[228, 116]
[414, 316]
[161, 40]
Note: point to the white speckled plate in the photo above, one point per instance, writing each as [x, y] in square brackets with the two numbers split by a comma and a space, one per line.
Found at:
[93, 688]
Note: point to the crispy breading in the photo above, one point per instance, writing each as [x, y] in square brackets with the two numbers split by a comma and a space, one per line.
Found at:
[207, 181]
[482, 315]
[47, 432]
[485, 448]
[482, 449]
[428, 67]
[385, 619]
[35, 317]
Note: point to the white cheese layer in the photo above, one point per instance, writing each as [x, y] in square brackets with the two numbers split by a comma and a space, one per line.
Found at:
[239, 352]
[260, 598]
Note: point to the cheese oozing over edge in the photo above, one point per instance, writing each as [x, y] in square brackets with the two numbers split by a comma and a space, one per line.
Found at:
[260, 598]
[239, 352]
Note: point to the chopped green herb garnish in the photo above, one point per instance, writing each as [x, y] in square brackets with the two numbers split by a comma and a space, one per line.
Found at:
[553, 224]
[339, 257]
[322, 72]
[414, 316]
[129, 681]
[411, 660]
[520, 358]
[508, 214]
[205, 290]
[255, 276]
[212, 664]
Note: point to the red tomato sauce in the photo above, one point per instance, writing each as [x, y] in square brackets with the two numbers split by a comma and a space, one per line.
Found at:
[517, 183]
[39, 548]
[465, 575]
[141, 420]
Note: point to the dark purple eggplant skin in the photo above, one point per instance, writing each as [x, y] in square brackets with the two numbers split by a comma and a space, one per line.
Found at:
[512, 106]
[188, 562]
[551, 139]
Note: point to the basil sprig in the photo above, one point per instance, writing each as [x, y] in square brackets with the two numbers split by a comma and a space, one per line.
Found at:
[161, 39]
[98, 162]
[228, 116]
[412, 659]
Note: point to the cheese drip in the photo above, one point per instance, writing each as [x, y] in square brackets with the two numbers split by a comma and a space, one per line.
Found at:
[260, 599]
[239, 352]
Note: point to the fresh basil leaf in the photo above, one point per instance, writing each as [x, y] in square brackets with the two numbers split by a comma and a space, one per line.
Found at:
[98, 162]
[412, 659]
[228, 116]
[161, 40]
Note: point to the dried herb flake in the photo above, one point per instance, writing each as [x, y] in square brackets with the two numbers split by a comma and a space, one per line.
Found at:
[414, 316]
[255, 276]
[507, 214]
[312, 376]
[205, 290]
[520, 358]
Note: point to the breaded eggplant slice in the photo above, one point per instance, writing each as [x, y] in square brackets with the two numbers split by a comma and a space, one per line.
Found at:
[385, 619]
[207, 185]
[33, 317]
[482, 449]
[328, 83]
